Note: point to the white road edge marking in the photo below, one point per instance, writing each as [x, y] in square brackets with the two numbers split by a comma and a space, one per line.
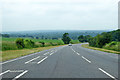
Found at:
[32, 60]
[20, 75]
[42, 60]
[86, 59]
[107, 74]
[4, 72]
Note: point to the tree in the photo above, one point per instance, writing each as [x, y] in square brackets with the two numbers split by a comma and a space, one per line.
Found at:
[116, 36]
[66, 39]
[92, 41]
[100, 40]
[87, 37]
[81, 38]
[20, 43]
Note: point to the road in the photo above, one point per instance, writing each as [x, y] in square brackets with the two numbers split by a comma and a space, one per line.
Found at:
[63, 62]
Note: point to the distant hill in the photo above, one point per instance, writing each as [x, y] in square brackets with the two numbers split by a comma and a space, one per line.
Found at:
[54, 34]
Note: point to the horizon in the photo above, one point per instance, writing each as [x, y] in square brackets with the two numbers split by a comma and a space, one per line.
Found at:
[56, 30]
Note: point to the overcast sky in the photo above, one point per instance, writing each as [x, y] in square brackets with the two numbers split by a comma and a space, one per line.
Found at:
[21, 15]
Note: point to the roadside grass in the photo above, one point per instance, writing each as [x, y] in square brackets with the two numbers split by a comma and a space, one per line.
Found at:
[11, 54]
[100, 49]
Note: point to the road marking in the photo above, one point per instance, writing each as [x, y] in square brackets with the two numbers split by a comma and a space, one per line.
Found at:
[32, 60]
[77, 53]
[107, 74]
[86, 59]
[52, 50]
[23, 57]
[20, 75]
[4, 72]
[42, 60]
[46, 53]
[18, 58]
[16, 71]
[51, 53]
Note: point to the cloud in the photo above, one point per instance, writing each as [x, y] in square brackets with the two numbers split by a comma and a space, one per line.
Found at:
[59, 14]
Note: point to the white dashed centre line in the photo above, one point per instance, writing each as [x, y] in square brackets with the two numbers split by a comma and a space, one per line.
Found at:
[107, 74]
[51, 53]
[77, 53]
[42, 60]
[86, 59]
[20, 75]
[4, 72]
[16, 71]
[46, 53]
[32, 60]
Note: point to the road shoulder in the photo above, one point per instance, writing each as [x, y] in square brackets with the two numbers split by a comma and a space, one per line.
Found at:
[100, 49]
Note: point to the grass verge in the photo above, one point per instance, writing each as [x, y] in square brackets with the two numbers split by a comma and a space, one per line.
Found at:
[11, 54]
[100, 49]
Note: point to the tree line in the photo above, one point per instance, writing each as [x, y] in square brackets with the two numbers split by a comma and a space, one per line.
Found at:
[101, 39]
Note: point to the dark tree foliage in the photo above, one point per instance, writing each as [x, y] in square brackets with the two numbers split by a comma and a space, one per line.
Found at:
[66, 39]
[92, 42]
[6, 35]
[82, 38]
[20, 43]
[104, 38]
[116, 35]
[37, 37]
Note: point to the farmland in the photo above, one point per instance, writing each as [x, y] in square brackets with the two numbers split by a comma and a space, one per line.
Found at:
[9, 43]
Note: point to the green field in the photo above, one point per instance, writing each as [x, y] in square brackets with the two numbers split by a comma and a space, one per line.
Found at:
[9, 43]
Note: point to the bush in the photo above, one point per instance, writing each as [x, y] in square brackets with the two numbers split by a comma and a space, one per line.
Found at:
[43, 43]
[112, 43]
[29, 43]
[113, 46]
[20, 43]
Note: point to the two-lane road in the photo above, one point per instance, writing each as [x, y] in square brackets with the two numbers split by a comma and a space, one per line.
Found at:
[63, 62]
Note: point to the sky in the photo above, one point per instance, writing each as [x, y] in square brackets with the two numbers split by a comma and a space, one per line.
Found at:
[25, 15]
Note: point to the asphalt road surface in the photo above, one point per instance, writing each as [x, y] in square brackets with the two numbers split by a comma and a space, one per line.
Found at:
[63, 62]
